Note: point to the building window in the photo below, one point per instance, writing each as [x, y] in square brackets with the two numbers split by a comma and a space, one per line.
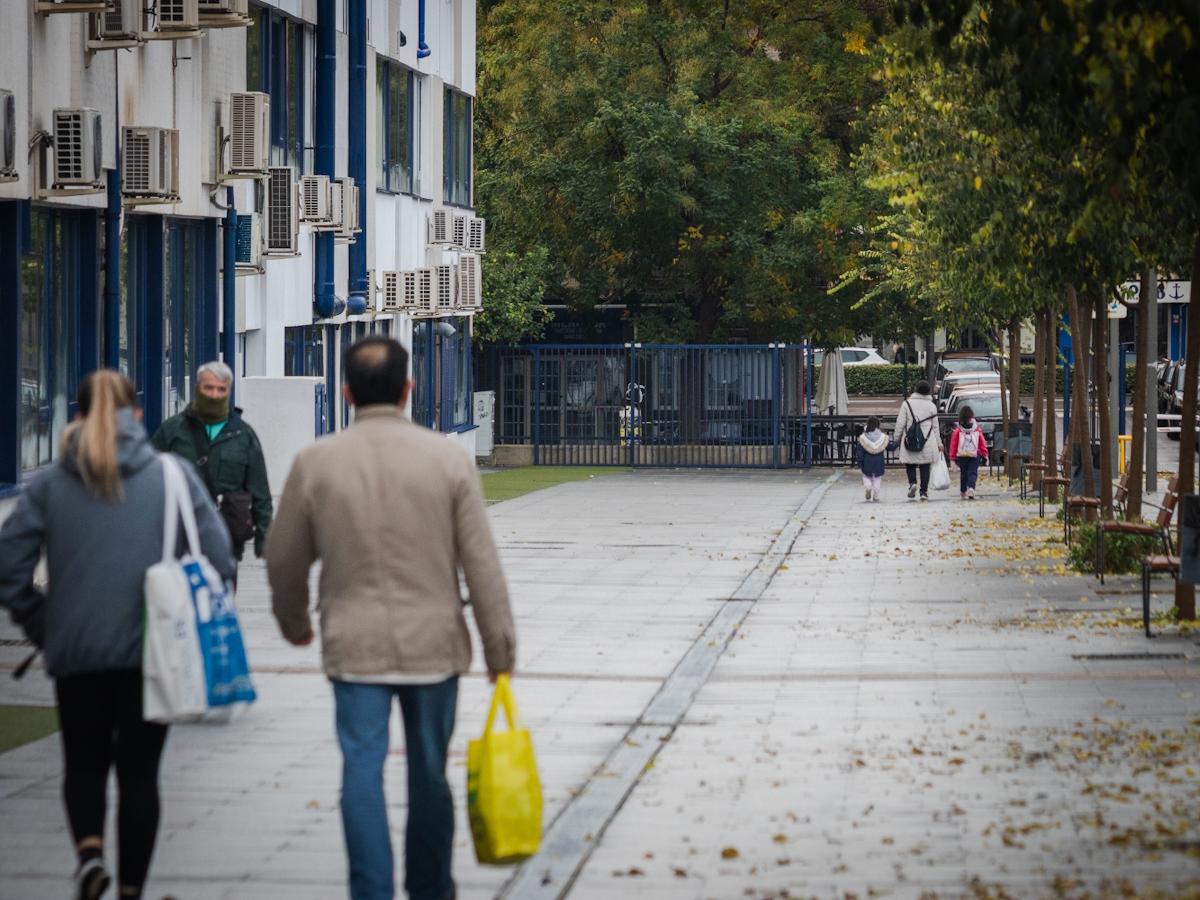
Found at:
[457, 149]
[304, 351]
[398, 113]
[58, 325]
[281, 60]
[189, 308]
[441, 374]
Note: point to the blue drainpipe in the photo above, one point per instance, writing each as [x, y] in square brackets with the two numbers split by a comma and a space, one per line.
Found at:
[422, 47]
[112, 272]
[325, 298]
[229, 286]
[358, 152]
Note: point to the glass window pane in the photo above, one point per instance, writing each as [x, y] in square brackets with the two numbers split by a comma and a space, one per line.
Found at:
[34, 377]
[401, 114]
[381, 120]
[395, 129]
[295, 91]
[254, 79]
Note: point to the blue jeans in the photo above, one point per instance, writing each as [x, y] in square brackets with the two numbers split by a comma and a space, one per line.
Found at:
[363, 713]
[968, 472]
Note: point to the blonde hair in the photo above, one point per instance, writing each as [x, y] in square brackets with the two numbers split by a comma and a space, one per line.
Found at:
[102, 394]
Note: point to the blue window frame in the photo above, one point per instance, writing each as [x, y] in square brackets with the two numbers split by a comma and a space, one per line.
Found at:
[456, 145]
[280, 60]
[58, 325]
[304, 350]
[397, 144]
[441, 373]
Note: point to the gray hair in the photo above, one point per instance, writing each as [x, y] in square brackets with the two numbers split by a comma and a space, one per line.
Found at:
[217, 369]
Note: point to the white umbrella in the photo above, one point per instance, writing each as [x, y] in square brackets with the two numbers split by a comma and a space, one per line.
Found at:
[832, 397]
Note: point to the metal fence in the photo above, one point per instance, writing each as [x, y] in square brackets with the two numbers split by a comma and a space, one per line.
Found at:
[654, 404]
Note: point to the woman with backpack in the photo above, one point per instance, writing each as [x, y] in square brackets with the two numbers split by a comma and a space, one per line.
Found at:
[97, 512]
[967, 447]
[919, 438]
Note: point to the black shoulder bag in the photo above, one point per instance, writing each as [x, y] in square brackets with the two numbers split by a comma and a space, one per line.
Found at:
[236, 507]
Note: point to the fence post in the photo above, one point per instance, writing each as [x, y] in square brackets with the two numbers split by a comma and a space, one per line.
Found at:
[628, 431]
[807, 362]
[537, 407]
[776, 379]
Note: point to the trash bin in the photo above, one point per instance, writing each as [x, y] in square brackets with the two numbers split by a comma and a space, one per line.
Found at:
[1189, 539]
[1077, 468]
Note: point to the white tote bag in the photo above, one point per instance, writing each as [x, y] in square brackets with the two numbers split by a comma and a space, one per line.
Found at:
[939, 474]
[193, 659]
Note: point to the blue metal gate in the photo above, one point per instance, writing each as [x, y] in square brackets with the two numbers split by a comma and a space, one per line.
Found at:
[633, 404]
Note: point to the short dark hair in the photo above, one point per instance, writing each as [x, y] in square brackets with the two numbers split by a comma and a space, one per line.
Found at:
[965, 415]
[922, 386]
[376, 371]
[873, 423]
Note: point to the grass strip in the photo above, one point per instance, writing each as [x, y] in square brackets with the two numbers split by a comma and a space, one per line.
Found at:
[510, 483]
[22, 724]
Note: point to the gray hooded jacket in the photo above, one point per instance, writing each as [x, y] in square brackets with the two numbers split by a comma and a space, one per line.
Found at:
[97, 552]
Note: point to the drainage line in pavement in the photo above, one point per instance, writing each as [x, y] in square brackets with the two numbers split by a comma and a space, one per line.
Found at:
[570, 839]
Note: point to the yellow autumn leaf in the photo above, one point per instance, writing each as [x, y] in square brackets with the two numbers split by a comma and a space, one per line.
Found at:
[978, 182]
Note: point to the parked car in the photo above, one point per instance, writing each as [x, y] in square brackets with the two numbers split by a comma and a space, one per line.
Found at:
[958, 380]
[952, 361]
[985, 405]
[854, 356]
[1174, 395]
[1166, 386]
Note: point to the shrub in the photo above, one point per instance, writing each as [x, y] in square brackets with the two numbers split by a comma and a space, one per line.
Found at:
[891, 379]
[1123, 553]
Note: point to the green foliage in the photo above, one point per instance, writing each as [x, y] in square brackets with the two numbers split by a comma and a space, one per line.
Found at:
[895, 379]
[508, 484]
[1123, 553]
[689, 160]
[513, 285]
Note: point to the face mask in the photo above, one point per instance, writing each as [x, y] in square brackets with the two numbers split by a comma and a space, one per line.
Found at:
[211, 411]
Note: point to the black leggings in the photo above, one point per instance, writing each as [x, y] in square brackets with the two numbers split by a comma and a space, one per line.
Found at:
[912, 476]
[101, 719]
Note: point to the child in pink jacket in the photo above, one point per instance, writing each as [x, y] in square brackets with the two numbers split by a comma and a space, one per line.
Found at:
[968, 447]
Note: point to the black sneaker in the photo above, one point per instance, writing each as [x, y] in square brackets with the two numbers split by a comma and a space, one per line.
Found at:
[91, 880]
[912, 491]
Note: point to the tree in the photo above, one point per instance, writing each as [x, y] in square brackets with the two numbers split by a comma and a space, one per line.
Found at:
[514, 285]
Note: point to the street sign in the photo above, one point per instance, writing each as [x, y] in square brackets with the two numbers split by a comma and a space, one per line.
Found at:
[1168, 291]
[1117, 309]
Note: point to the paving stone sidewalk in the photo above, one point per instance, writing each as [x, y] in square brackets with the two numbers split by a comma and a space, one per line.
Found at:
[902, 712]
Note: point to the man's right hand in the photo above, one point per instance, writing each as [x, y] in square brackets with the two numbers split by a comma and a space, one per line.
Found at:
[303, 640]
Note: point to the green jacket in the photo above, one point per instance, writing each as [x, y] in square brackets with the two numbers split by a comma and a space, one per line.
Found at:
[235, 462]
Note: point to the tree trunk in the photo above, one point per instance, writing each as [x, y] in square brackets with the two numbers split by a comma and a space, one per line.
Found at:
[998, 342]
[1185, 594]
[929, 354]
[1039, 388]
[1050, 421]
[1137, 427]
[1103, 385]
[1081, 426]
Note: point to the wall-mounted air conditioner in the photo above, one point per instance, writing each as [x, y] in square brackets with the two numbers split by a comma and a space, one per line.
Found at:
[349, 212]
[393, 292]
[78, 149]
[69, 6]
[439, 226]
[423, 302]
[445, 288]
[224, 13]
[476, 235]
[282, 213]
[470, 283]
[458, 230]
[249, 243]
[315, 199]
[150, 164]
[8, 136]
[118, 26]
[172, 20]
[249, 132]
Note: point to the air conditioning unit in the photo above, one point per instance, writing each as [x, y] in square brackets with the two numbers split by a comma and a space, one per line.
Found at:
[470, 283]
[282, 212]
[316, 202]
[224, 13]
[249, 132]
[393, 291]
[174, 18]
[8, 136]
[69, 6]
[476, 234]
[249, 242]
[458, 230]
[439, 226]
[445, 289]
[349, 226]
[78, 149]
[150, 163]
[118, 26]
[419, 284]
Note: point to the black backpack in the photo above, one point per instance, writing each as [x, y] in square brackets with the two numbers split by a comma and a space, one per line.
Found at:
[914, 436]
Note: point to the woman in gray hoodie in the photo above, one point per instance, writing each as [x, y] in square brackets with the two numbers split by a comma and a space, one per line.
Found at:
[97, 512]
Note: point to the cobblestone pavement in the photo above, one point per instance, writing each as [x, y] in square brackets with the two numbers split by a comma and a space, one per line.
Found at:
[740, 684]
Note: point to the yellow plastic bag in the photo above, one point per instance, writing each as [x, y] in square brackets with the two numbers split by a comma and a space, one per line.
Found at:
[504, 795]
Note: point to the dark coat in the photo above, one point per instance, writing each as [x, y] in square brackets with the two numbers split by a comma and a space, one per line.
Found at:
[873, 464]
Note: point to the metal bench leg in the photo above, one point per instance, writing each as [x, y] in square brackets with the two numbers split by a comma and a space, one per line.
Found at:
[1146, 597]
[1100, 553]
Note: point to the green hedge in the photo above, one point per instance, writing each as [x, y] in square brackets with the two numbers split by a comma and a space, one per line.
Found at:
[869, 380]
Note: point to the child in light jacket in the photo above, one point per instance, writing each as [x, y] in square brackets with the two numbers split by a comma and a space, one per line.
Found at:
[968, 447]
[873, 445]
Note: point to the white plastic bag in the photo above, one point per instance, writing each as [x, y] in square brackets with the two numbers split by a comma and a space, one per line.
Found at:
[939, 474]
[193, 659]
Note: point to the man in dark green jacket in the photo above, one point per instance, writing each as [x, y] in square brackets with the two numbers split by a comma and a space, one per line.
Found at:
[226, 453]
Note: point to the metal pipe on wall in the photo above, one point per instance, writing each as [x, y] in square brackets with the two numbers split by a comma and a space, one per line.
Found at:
[357, 152]
[325, 301]
[112, 271]
[229, 290]
[422, 47]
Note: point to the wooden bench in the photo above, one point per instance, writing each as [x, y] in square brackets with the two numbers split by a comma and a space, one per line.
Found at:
[1120, 495]
[1160, 527]
[1152, 565]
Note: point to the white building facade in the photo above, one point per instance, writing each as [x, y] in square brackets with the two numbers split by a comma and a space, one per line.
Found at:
[263, 182]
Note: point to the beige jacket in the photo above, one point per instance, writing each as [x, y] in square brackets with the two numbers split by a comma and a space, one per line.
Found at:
[393, 511]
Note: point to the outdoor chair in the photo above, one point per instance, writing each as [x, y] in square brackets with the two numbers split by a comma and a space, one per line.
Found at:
[1151, 565]
[1093, 503]
[1160, 527]
[1056, 477]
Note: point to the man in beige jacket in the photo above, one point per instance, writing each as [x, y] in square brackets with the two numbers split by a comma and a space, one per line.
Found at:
[393, 512]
